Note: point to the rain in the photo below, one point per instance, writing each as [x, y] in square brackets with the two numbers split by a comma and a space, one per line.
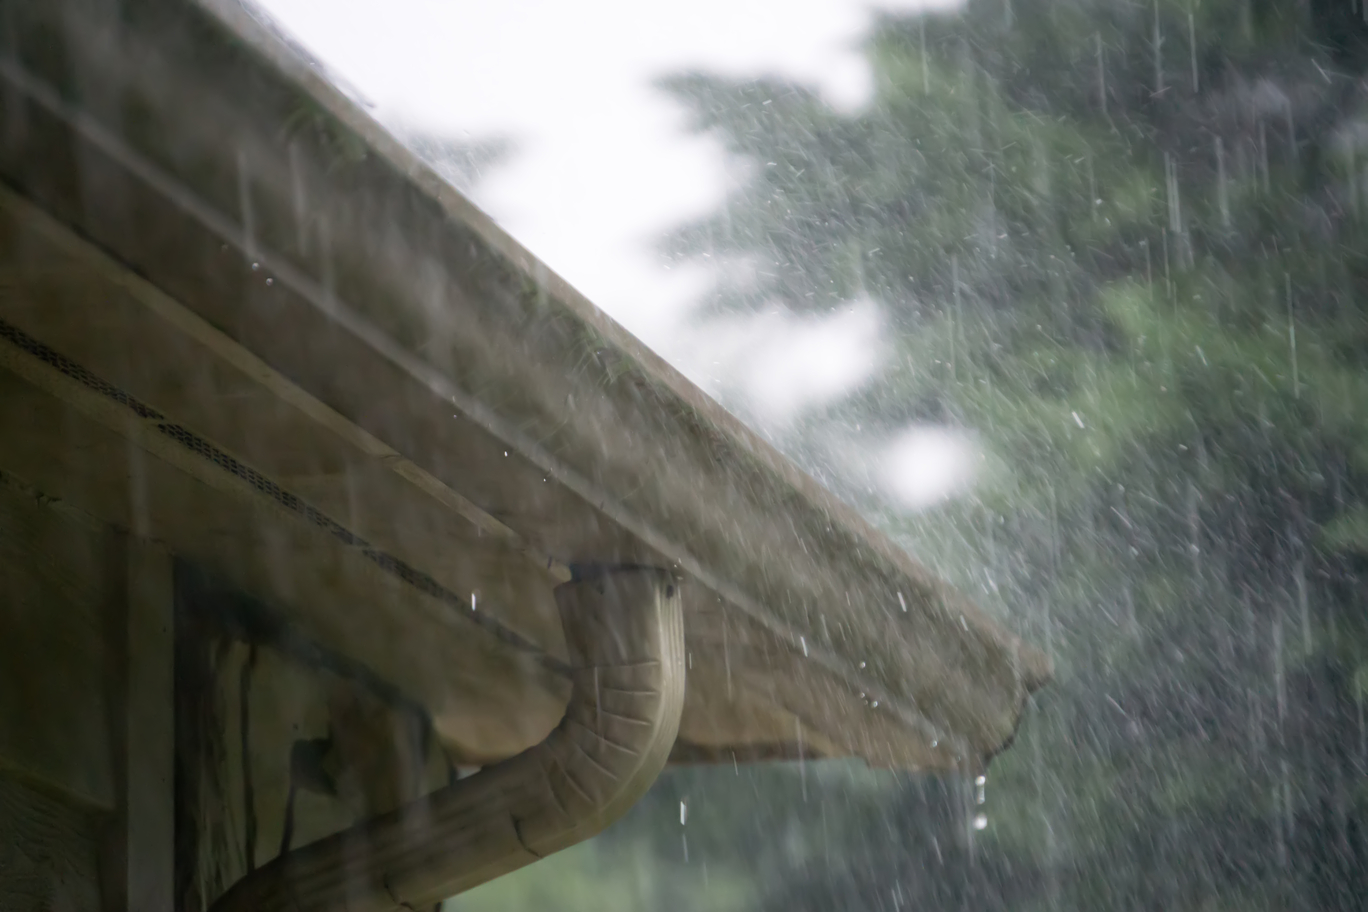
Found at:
[1067, 299]
[1115, 250]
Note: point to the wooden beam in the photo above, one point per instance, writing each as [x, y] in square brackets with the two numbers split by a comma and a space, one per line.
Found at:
[137, 849]
[54, 701]
[149, 803]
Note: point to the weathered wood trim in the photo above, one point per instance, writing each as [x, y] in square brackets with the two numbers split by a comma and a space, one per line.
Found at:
[194, 722]
[113, 832]
[137, 861]
[149, 800]
[55, 731]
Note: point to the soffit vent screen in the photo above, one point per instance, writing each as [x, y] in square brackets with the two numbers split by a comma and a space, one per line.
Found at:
[224, 462]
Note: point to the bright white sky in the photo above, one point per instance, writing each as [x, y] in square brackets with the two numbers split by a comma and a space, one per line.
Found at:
[602, 165]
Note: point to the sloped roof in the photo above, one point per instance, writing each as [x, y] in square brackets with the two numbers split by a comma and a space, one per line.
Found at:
[367, 402]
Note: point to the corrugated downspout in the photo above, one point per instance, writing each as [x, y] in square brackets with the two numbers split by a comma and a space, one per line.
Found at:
[624, 630]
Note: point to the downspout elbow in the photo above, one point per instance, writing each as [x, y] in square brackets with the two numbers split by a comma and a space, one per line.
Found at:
[625, 636]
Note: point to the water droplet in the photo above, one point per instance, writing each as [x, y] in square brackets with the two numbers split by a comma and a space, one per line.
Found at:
[802, 641]
[270, 281]
[902, 602]
[862, 664]
[981, 822]
[255, 267]
[683, 812]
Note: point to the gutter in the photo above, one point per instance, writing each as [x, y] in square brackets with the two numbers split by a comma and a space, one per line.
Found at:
[624, 632]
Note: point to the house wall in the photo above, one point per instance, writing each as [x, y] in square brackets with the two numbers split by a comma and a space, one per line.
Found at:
[86, 736]
[160, 733]
[280, 742]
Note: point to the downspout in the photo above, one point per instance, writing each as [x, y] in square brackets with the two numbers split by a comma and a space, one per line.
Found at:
[624, 632]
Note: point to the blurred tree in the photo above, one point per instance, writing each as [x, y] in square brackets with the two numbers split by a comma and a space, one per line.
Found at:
[1124, 244]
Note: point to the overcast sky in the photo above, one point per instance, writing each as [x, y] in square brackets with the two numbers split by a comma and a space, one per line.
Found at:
[602, 166]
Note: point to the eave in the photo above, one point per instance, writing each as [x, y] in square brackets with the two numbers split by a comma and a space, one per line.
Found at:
[203, 224]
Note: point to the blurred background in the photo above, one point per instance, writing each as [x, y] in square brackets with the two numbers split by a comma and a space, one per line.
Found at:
[1066, 295]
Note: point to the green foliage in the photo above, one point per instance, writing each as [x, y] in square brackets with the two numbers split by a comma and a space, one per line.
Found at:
[1125, 245]
[590, 878]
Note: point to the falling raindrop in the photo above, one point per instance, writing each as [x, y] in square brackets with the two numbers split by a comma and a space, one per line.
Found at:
[955, 316]
[1263, 156]
[925, 64]
[1304, 605]
[1292, 337]
[245, 212]
[1101, 74]
[1158, 45]
[1222, 188]
[726, 663]
[298, 198]
[1291, 131]
[1192, 50]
